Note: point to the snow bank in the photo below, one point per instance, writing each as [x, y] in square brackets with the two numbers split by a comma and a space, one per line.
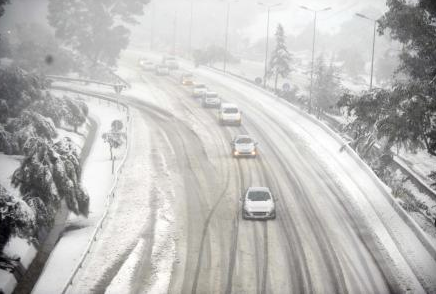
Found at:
[9, 163]
[22, 248]
[98, 180]
[7, 282]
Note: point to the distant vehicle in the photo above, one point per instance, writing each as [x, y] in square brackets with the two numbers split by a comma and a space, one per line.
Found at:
[172, 64]
[258, 203]
[211, 99]
[187, 79]
[199, 90]
[170, 61]
[162, 70]
[148, 66]
[243, 145]
[142, 61]
[230, 114]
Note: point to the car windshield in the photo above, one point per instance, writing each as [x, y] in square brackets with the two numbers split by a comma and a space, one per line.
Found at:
[244, 141]
[230, 110]
[199, 86]
[258, 196]
[213, 95]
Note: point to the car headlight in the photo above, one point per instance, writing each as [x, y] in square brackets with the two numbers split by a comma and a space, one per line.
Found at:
[236, 152]
[253, 152]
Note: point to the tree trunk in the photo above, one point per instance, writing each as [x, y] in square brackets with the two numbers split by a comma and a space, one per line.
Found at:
[111, 151]
[275, 82]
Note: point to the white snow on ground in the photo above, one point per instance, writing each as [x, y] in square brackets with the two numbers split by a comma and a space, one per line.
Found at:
[9, 163]
[147, 183]
[122, 281]
[420, 162]
[8, 282]
[399, 245]
[21, 247]
[97, 180]
[164, 247]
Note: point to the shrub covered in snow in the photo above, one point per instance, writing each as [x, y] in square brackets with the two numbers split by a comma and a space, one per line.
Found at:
[18, 89]
[48, 174]
[16, 219]
[115, 138]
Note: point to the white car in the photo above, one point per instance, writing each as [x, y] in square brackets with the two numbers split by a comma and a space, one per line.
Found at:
[258, 203]
[162, 70]
[211, 99]
[230, 114]
[243, 145]
[198, 90]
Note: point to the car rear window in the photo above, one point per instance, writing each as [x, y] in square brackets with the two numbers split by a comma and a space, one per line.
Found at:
[258, 196]
[230, 110]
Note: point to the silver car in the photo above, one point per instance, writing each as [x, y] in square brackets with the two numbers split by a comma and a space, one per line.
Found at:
[244, 146]
[258, 203]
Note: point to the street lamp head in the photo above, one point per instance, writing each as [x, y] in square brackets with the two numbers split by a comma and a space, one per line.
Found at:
[304, 7]
[325, 9]
[362, 16]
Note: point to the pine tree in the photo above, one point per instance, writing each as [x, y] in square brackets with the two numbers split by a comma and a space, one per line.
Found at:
[280, 58]
[326, 88]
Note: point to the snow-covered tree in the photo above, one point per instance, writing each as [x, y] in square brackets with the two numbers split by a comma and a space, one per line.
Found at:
[31, 125]
[405, 114]
[16, 219]
[353, 61]
[77, 112]
[326, 88]
[280, 58]
[48, 174]
[95, 28]
[19, 89]
[4, 111]
[115, 138]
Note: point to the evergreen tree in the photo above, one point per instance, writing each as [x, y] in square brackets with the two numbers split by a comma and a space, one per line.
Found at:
[115, 138]
[406, 113]
[326, 88]
[94, 28]
[16, 219]
[280, 58]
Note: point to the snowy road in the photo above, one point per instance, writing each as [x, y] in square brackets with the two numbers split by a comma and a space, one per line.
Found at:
[178, 208]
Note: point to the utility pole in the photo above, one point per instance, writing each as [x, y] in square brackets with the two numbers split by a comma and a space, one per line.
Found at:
[152, 12]
[373, 45]
[190, 29]
[315, 12]
[175, 33]
[267, 38]
[227, 36]
[226, 40]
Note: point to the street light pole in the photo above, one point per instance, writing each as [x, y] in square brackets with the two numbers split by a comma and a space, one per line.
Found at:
[152, 12]
[227, 37]
[373, 46]
[267, 39]
[266, 50]
[190, 29]
[372, 57]
[315, 12]
[175, 33]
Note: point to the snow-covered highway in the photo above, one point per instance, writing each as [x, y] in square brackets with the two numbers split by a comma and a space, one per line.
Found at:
[177, 225]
